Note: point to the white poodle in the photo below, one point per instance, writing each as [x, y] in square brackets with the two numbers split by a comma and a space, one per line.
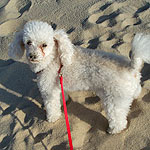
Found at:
[115, 79]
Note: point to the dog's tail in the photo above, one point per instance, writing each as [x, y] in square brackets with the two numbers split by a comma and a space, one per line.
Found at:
[140, 51]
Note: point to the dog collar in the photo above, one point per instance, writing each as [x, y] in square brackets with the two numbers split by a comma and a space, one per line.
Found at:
[59, 71]
[39, 72]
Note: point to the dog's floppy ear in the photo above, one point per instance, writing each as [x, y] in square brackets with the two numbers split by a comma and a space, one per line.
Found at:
[16, 47]
[64, 46]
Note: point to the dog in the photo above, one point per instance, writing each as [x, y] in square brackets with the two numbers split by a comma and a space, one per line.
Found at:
[114, 78]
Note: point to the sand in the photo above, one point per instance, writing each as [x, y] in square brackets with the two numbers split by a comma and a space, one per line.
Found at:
[108, 25]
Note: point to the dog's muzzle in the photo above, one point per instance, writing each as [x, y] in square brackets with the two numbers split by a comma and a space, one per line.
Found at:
[32, 57]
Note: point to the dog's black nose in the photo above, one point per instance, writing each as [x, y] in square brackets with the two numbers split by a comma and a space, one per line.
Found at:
[32, 56]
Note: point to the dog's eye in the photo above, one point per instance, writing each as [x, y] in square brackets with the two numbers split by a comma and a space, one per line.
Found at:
[29, 43]
[44, 45]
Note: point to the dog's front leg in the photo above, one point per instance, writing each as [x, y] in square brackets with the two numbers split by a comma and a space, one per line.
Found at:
[52, 104]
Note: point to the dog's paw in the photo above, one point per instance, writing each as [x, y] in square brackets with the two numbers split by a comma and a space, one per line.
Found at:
[53, 118]
[113, 131]
[116, 130]
[116, 127]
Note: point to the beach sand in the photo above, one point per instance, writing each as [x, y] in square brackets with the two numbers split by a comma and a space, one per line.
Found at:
[108, 25]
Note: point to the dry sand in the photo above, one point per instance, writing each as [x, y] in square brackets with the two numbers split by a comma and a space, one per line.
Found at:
[108, 25]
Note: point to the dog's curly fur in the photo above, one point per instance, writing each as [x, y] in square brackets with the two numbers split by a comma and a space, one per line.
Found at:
[115, 79]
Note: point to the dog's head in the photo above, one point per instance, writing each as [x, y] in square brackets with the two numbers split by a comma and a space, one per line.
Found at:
[39, 40]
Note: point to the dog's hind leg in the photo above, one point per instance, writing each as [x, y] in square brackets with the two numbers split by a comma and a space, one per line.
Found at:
[117, 111]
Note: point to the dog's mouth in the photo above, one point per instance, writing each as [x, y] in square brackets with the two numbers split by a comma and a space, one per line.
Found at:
[33, 61]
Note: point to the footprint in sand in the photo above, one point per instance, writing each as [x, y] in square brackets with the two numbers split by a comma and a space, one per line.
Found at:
[3, 3]
[114, 25]
[9, 14]
[10, 26]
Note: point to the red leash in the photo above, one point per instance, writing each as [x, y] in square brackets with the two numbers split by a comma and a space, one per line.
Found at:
[65, 112]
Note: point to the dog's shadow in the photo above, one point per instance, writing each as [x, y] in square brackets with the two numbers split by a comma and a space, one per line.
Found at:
[19, 90]
[95, 119]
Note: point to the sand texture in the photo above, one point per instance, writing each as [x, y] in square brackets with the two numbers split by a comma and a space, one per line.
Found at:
[104, 24]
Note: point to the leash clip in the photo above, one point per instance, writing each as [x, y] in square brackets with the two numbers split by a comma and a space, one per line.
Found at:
[60, 71]
[60, 74]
